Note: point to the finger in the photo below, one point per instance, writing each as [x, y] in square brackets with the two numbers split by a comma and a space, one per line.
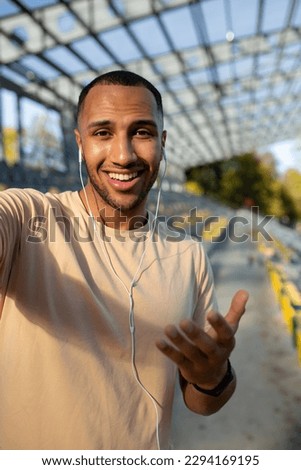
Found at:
[205, 344]
[222, 331]
[237, 308]
[182, 343]
[172, 353]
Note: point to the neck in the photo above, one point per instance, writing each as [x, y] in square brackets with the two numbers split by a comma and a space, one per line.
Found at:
[110, 216]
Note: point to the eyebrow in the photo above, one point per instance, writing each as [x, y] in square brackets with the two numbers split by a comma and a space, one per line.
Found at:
[139, 122]
[104, 122]
[146, 122]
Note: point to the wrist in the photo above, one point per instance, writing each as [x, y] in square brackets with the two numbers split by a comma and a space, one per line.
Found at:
[215, 379]
[218, 389]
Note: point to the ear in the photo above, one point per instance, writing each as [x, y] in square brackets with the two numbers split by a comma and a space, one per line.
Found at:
[163, 138]
[163, 142]
[78, 140]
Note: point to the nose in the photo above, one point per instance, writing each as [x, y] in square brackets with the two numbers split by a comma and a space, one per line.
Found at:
[123, 153]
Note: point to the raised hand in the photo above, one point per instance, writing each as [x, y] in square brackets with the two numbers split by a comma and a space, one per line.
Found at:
[202, 356]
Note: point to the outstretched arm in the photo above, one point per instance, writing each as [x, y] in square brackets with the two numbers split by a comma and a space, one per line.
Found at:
[203, 357]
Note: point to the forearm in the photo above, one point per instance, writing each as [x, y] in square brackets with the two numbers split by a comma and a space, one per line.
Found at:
[202, 403]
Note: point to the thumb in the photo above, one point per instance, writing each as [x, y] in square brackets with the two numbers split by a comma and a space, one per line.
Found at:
[237, 308]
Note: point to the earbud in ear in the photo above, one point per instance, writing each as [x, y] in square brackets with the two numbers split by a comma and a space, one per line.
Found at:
[80, 157]
[164, 153]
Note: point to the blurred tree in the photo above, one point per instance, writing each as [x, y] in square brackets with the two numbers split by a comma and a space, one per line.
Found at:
[247, 180]
[292, 184]
[207, 176]
[194, 188]
[11, 145]
[289, 209]
[269, 161]
[276, 206]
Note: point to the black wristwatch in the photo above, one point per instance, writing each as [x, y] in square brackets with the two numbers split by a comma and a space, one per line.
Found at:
[218, 390]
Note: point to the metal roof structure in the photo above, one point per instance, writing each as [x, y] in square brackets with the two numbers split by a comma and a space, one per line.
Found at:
[229, 70]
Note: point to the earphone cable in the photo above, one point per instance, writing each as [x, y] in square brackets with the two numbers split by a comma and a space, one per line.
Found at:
[129, 290]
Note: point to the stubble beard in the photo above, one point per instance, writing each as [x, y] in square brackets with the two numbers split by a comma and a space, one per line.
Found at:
[106, 197]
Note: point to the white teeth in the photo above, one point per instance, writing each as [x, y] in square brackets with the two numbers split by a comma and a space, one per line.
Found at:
[123, 177]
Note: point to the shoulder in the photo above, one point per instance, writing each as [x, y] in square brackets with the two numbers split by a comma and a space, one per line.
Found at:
[16, 194]
[67, 202]
[21, 200]
[32, 201]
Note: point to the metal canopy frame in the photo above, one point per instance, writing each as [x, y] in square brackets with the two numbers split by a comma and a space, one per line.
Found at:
[229, 70]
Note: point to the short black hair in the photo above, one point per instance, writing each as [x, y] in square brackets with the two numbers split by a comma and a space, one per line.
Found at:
[124, 78]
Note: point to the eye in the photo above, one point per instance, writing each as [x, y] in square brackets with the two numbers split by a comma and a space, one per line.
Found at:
[102, 133]
[143, 132]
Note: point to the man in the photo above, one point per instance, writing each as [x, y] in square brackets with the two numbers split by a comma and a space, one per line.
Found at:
[90, 282]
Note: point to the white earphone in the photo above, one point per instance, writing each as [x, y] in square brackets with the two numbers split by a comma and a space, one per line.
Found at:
[129, 290]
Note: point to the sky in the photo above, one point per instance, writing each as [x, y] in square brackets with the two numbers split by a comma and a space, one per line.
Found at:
[287, 155]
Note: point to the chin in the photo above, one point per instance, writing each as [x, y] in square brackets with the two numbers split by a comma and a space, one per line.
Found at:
[126, 207]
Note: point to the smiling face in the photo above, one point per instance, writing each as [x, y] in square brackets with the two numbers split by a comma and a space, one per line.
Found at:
[120, 136]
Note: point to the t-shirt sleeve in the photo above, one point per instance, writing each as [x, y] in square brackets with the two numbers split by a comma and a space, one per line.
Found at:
[11, 221]
[17, 207]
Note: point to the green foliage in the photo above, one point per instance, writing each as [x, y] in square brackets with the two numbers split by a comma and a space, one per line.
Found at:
[208, 177]
[292, 184]
[246, 180]
[290, 212]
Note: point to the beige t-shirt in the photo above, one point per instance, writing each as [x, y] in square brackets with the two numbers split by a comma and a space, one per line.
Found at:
[66, 373]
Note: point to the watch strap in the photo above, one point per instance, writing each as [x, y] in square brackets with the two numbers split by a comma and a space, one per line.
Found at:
[218, 390]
